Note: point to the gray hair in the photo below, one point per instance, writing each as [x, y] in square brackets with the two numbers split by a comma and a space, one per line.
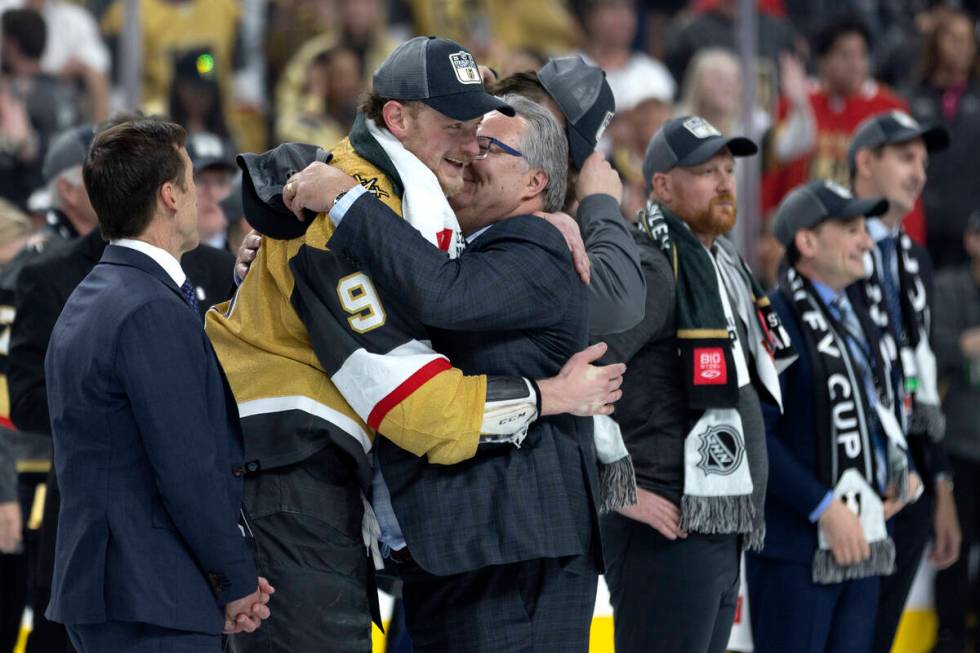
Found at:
[72, 175]
[544, 147]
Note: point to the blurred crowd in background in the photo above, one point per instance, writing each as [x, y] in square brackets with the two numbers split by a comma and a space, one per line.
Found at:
[245, 75]
[253, 73]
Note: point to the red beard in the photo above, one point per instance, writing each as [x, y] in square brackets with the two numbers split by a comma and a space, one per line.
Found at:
[717, 219]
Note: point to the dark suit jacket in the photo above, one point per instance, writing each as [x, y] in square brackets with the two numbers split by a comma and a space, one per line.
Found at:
[146, 436]
[42, 288]
[795, 488]
[510, 305]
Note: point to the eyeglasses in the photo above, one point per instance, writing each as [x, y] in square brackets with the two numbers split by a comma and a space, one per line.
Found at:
[486, 142]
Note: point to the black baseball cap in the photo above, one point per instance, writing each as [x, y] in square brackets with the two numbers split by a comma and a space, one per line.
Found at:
[584, 97]
[689, 141]
[808, 205]
[209, 150]
[439, 72]
[892, 127]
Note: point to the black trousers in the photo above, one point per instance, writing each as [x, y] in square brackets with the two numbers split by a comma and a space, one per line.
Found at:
[537, 606]
[305, 522]
[669, 596]
[954, 597]
[911, 531]
[17, 575]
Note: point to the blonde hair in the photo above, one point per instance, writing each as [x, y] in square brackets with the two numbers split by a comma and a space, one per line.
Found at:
[13, 223]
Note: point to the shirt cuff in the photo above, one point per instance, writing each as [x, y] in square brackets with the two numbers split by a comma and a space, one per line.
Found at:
[339, 209]
[821, 507]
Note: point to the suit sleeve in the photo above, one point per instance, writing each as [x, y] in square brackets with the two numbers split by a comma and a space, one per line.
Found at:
[38, 307]
[659, 292]
[163, 359]
[377, 355]
[519, 281]
[618, 283]
[794, 483]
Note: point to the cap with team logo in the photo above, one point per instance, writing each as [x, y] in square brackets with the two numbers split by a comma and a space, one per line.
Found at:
[689, 141]
[892, 127]
[808, 205]
[209, 150]
[584, 97]
[439, 72]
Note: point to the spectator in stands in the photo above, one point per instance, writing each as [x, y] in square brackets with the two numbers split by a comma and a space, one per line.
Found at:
[74, 49]
[34, 106]
[171, 28]
[361, 29]
[957, 343]
[214, 170]
[948, 93]
[715, 27]
[195, 95]
[610, 27]
[844, 96]
[335, 83]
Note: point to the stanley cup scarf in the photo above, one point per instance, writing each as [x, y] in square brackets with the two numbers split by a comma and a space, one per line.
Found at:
[911, 355]
[843, 431]
[717, 483]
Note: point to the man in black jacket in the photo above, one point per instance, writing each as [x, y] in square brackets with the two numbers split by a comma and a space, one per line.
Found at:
[698, 365]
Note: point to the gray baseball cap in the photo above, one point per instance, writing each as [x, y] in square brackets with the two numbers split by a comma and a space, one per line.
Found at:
[689, 141]
[439, 72]
[584, 97]
[808, 205]
[890, 127]
[66, 150]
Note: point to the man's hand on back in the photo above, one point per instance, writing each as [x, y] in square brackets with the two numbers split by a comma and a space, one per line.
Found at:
[573, 238]
[581, 388]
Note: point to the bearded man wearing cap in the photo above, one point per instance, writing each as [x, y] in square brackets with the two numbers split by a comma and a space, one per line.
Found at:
[838, 464]
[888, 155]
[334, 361]
[700, 362]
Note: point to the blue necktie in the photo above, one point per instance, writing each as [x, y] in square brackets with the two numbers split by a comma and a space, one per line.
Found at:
[190, 296]
[861, 355]
[888, 247]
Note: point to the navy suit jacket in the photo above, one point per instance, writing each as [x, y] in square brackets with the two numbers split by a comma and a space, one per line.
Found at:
[145, 439]
[794, 488]
[511, 305]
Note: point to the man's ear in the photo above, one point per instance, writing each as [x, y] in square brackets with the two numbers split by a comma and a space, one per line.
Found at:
[661, 188]
[806, 242]
[168, 195]
[395, 115]
[537, 181]
[862, 163]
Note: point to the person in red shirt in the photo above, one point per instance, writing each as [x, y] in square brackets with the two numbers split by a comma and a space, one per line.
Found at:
[844, 95]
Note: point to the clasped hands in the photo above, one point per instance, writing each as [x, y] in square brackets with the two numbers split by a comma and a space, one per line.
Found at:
[247, 613]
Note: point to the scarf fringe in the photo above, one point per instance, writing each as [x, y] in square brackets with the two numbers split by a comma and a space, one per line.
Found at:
[881, 563]
[617, 484]
[755, 540]
[717, 515]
